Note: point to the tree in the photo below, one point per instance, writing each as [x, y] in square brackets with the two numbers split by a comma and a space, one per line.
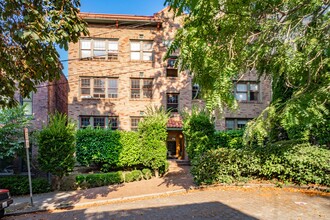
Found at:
[287, 41]
[12, 122]
[56, 143]
[29, 31]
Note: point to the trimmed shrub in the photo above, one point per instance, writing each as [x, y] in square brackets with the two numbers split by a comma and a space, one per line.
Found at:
[19, 185]
[147, 174]
[108, 149]
[153, 133]
[198, 129]
[229, 139]
[135, 175]
[298, 163]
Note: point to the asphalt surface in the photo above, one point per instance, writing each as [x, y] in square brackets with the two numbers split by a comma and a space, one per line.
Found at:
[211, 203]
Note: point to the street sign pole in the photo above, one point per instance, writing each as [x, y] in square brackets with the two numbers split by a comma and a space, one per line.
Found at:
[27, 146]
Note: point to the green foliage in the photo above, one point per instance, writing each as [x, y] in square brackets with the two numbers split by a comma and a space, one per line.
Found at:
[198, 129]
[229, 139]
[147, 174]
[153, 133]
[12, 122]
[105, 179]
[108, 149]
[19, 185]
[164, 168]
[27, 49]
[56, 143]
[135, 175]
[287, 41]
[288, 161]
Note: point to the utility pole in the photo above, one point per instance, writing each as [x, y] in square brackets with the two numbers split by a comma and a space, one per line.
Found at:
[27, 146]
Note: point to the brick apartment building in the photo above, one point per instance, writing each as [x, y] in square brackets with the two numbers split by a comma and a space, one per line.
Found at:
[119, 70]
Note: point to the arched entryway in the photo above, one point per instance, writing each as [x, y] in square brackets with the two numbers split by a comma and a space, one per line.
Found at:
[175, 144]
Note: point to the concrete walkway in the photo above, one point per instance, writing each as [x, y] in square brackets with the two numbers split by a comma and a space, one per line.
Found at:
[177, 180]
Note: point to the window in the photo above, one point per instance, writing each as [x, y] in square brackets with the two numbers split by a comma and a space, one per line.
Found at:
[234, 123]
[141, 50]
[99, 49]
[111, 122]
[171, 70]
[99, 122]
[195, 91]
[84, 122]
[247, 91]
[27, 102]
[135, 122]
[99, 87]
[172, 102]
[141, 85]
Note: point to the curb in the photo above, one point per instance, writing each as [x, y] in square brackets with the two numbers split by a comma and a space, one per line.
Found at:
[98, 202]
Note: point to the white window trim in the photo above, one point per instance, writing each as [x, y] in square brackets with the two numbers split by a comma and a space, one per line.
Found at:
[106, 88]
[141, 51]
[107, 50]
[141, 89]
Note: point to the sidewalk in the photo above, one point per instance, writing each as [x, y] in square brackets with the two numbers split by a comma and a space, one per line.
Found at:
[177, 180]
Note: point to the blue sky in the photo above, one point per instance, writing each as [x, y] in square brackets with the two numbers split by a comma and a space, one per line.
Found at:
[133, 7]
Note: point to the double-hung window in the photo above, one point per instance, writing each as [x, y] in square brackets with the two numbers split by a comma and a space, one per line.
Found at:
[99, 87]
[141, 50]
[171, 70]
[141, 88]
[99, 49]
[247, 91]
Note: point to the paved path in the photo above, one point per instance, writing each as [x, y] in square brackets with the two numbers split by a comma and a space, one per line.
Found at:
[213, 203]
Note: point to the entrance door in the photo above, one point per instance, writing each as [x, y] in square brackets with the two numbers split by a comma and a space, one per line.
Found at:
[171, 149]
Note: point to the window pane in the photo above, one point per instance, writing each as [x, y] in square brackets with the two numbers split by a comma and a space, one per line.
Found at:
[147, 46]
[135, 83]
[99, 53]
[85, 53]
[254, 96]
[85, 82]
[241, 87]
[99, 122]
[135, 94]
[147, 55]
[85, 44]
[135, 46]
[113, 123]
[135, 55]
[241, 123]
[99, 45]
[84, 122]
[99, 83]
[230, 124]
[85, 91]
[113, 46]
[241, 96]
[27, 108]
[254, 87]
[112, 88]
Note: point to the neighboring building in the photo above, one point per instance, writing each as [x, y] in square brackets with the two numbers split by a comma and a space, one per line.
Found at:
[49, 98]
[119, 70]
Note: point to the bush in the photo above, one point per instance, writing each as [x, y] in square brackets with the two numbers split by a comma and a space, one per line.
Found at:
[99, 179]
[135, 175]
[147, 174]
[229, 139]
[284, 161]
[198, 129]
[56, 143]
[108, 149]
[19, 185]
[153, 133]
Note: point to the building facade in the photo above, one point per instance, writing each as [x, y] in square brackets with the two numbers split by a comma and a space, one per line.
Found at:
[119, 70]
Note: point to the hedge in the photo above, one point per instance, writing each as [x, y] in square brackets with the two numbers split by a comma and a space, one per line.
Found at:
[105, 179]
[108, 149]
[296, 163]
[229, 139]
[19, 185]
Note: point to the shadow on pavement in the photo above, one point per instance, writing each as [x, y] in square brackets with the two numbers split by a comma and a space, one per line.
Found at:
[209, 210]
